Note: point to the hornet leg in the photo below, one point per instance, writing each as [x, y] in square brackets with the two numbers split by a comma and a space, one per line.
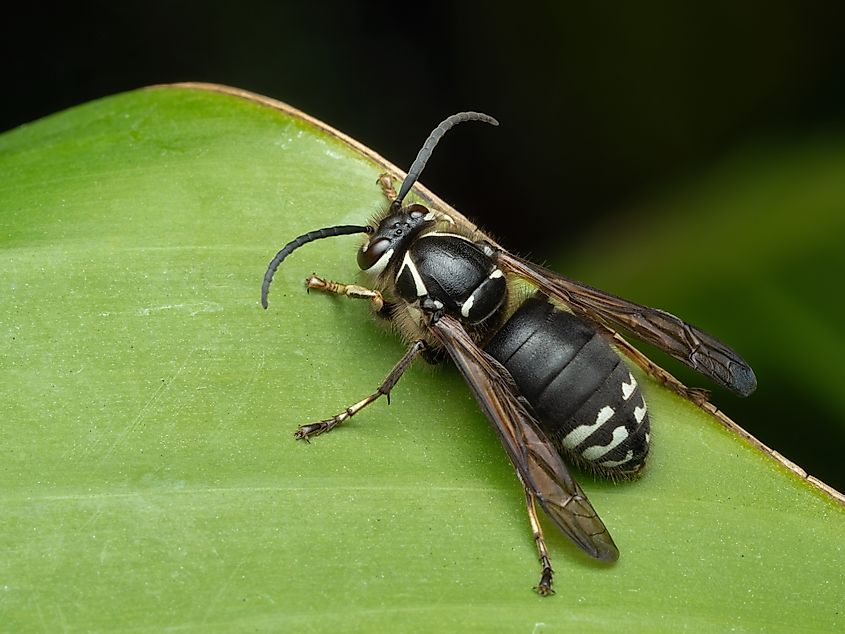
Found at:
[315, 429]
[696, 395]
[385, 181]
[544, 588]
[350, 290]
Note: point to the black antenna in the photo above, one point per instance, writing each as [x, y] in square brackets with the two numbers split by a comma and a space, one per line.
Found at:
[293, 245]
[427, 148]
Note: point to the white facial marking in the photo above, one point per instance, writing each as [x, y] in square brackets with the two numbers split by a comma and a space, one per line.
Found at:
[438, 304]
[597, 451]
[582, 432]
[639, 412]
[467, 306]
[407, 263]
[496, 273]
[381, 264]
[628, 388]
[616, 463]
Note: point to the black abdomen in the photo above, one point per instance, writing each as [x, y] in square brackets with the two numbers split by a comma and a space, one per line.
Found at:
[586, 399]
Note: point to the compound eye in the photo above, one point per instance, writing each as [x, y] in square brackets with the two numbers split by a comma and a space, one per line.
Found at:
[373, 253]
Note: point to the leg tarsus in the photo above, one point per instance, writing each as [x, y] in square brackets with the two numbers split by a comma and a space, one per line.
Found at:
[352, 291]
[385, 181]
[544, 587]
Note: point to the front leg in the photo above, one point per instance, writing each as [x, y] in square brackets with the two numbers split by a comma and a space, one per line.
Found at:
[349, 290]
[385, 181]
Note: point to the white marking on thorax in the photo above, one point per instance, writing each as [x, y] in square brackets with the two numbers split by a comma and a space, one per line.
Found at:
[628, 388]
[438, 216]
[597, 451]
[582, 432]
[407, 263]
[444, 234]
[381, 263]
[467, 306]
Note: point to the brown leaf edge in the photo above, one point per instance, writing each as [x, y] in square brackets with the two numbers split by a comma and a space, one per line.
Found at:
[436, 202]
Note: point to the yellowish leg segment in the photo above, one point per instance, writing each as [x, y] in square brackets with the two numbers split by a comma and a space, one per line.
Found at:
[349, 290]
[315, 429]
[385, 181]
[544, 588]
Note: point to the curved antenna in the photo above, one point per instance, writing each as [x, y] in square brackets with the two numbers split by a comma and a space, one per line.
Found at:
[293, 245]
[427, 148]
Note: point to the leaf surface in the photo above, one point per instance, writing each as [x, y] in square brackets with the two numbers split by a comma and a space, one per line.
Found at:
[151, 478]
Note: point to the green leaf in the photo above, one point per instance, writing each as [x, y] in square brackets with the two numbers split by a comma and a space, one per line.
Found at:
[151, 479]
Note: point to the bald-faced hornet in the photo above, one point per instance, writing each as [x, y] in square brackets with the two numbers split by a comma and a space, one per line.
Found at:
[544, 365]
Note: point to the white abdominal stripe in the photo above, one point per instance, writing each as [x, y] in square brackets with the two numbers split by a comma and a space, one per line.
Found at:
[618, 434]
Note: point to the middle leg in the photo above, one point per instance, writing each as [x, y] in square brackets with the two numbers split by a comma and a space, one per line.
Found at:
[315, 429]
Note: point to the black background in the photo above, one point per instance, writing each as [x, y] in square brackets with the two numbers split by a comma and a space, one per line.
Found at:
[599, 105]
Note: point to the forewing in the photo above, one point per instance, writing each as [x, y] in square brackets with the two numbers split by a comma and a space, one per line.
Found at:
[538, 463]
[688, 344]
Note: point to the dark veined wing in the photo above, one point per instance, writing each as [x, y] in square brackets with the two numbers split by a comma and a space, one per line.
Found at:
[539, 465]
[685, 342]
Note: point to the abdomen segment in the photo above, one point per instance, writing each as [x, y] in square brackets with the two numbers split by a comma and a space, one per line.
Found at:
[584, 395]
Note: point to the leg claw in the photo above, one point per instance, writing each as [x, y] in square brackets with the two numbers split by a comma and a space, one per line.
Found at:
[544, 588]
[304, 432]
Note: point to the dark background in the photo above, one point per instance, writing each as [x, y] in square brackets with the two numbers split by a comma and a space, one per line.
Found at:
[602, 107]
